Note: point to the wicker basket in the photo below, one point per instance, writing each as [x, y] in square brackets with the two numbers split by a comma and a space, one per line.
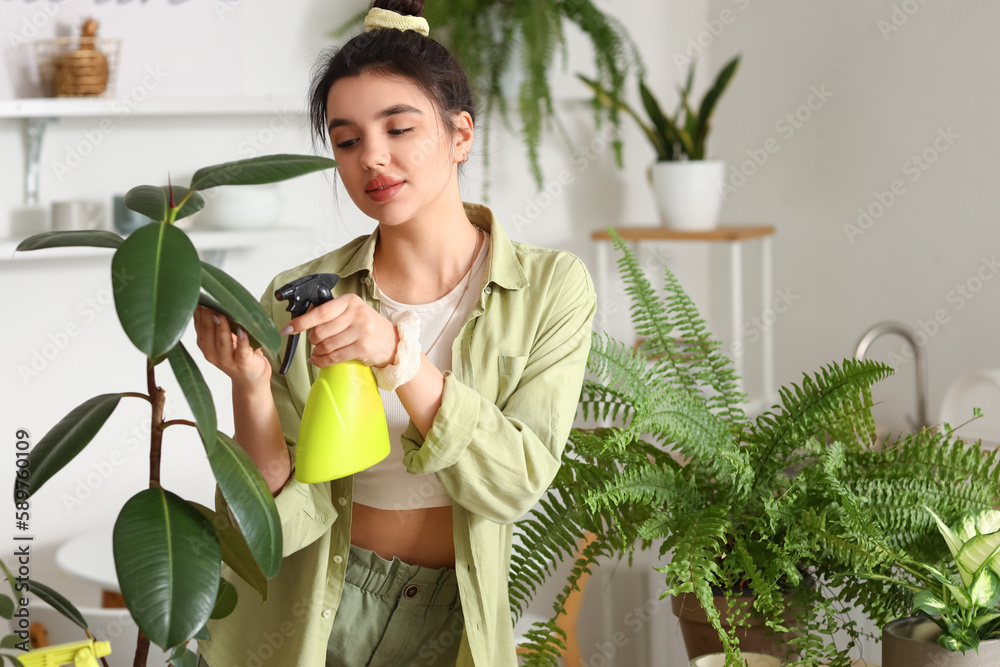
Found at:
[78, 66]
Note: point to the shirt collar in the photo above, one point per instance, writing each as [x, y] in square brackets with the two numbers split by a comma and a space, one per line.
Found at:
[504, 267]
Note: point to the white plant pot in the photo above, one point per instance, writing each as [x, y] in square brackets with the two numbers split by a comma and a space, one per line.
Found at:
[240, 207]
[689, 193]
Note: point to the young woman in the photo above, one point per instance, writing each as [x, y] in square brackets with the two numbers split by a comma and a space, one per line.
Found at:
[479, 346]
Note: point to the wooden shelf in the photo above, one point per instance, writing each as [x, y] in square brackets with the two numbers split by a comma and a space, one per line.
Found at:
[90, 107]
[730, 233]
[204, 241]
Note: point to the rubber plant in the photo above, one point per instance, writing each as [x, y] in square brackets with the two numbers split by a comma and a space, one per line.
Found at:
[783, 504]
[168, 551]
[489, 36]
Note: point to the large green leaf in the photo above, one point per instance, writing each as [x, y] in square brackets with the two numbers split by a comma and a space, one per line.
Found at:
[985, 589]
[241, 305]
[55, 600]
[210, 303]
[225, 603]
[181, 656]
[258, 170]
[928, 602]
[153, 201]
[250, 500]
[159, 276]
[168, 561]
[979, 551]
[68, 438]
[6, 607]
[954, 546]
[982, 522]
[92, 238]
[235, 552]
[195, 390]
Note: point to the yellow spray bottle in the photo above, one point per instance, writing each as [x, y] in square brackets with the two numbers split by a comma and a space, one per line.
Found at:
[343, 429]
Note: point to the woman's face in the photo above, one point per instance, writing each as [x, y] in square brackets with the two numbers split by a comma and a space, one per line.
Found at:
[395, 153]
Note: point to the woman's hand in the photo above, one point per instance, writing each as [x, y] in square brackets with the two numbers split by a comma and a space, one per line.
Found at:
[230, 352]
[347, 328]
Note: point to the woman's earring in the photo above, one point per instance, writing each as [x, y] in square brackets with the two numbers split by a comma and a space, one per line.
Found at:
[464, 159]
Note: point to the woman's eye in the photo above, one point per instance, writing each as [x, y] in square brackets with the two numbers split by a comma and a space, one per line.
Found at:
[346, 144]
[402, 130]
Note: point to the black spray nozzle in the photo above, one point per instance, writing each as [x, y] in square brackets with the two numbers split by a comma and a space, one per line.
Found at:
[301, 293]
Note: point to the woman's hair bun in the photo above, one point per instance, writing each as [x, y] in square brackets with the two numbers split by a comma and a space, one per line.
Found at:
[404, 7]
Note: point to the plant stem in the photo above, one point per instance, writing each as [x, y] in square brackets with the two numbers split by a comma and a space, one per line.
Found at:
[141, 650]
[156, 424]
[133, 394]
[176, 422]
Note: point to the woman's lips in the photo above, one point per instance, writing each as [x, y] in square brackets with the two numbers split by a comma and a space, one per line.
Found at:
[383, 188]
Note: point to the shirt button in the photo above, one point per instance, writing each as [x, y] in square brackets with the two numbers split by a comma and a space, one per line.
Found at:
[411, 592]
[327, 613]
[338, 559]
[342, 501]
[488, 290]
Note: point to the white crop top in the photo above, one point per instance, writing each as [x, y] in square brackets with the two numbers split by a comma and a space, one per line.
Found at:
[387, 485]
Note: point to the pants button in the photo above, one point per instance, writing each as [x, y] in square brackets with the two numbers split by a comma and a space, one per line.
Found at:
[411, 592]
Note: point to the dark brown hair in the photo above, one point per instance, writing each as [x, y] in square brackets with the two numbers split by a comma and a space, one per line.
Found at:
[388, 52]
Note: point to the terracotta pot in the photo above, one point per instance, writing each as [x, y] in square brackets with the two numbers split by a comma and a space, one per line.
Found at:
[912, 642]
[700, 638]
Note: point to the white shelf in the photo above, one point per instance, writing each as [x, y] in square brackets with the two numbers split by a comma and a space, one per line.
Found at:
[90, 107]
[204, 241]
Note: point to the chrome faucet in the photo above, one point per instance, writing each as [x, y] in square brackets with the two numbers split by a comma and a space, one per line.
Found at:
[910, 335]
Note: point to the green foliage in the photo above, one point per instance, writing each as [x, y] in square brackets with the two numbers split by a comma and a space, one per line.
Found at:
[678, 137]
[785, 504]
[966, 607]
[168, 551]
[486, 35]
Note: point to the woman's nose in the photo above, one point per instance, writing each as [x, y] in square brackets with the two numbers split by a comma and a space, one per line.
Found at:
[375, 154]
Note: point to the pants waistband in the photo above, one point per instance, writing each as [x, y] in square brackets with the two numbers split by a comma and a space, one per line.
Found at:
[369, 571]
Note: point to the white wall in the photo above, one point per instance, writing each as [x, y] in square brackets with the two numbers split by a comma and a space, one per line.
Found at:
[899, 76]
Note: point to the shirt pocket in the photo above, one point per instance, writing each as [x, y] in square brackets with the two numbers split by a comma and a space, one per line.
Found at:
[510, 368]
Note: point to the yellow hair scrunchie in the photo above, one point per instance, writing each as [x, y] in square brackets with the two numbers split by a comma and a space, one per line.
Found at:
[383, 18]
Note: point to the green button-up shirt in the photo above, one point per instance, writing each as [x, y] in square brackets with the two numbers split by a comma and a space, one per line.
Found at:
[495, 445]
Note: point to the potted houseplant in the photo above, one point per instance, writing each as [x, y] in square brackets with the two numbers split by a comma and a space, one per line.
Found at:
[757, 505]
[169, 551]
[492, 37]
[687, 185]
[959, 606]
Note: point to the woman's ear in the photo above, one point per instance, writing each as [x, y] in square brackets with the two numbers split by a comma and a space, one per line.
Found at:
[464, 134]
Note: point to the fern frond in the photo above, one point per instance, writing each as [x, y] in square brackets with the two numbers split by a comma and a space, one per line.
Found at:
[808, 411]
[687, 423]
[543, 644]
[651, 319]
[713, 370]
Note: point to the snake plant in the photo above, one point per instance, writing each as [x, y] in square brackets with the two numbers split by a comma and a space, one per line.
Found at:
[782, 504]
[678, 137]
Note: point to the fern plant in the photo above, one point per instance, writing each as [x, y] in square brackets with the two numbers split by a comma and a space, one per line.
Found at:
[489, 36]
[784, 504]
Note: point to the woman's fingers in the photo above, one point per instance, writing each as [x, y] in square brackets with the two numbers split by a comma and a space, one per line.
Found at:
[242, 351]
